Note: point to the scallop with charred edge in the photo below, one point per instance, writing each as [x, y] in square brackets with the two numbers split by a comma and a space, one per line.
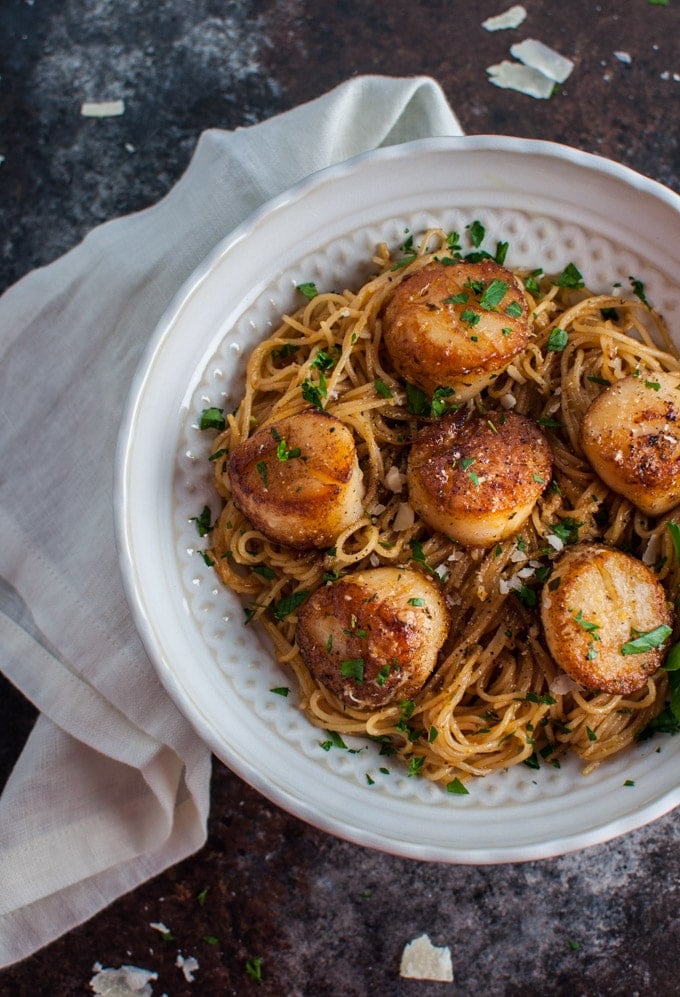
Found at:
[631, 436]
[373, 636]
[597, 601]
[456, 326]
[477, 478]
[298, 480]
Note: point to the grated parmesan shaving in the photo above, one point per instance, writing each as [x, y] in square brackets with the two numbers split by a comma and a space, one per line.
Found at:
[421, 960]
[188, 966]
[404, 518]
[102, 108]
[562, 684]
[511, 18]
[122, 982]
[394, 479]
[547, 61]
[513, 76]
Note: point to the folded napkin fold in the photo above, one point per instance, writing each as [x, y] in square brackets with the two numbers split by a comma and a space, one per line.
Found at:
[113, 783]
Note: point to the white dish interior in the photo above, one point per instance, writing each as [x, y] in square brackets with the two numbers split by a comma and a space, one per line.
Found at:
[554, 206]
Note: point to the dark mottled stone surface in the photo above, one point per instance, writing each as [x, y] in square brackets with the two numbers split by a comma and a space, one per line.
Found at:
[328, 917]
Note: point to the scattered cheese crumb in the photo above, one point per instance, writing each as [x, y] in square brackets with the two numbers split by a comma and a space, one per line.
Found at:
[511, 18]
[623, 57]
[513, 76]
[188, 966]
[562, 683]
[421, 960]
[123, 982]
[159, 926]
[394, 479]
[404, 519]
[102, 108]
[546, 60]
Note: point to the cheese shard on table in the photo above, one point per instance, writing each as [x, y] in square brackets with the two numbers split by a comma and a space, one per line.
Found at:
[421, 960]
[127, 981]
[524, 79]
[511, 18]
[102, 108]
[541, 57]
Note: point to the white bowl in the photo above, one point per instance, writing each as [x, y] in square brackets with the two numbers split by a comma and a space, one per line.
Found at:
[554, 205]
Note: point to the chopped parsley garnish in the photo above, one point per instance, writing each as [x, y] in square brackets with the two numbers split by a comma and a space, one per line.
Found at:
[203, 524]
[284, 607]
[493, 295]
[212, 418]
[585, 624]
[457, 788]
[639, 290]
[501, 252]
[283, 451]
[382, 388]
[440, 403]
[570, 278]
[353, 668]
[557, 340]
[476, 231]
[567, 529]
[674, 531]
[261, 469]
[334, 741]
[323, 360]
[254, 968]
[417, 401]
[470, 317]
[531, 283]
[643, 642]
[315, 393]
[514, 309]
[542, 700]
[309, 289]
[280, 690]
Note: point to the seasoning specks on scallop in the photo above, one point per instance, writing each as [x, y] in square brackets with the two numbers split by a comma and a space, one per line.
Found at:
[373, 637]
[477, 478]
[631, 436]
[598, 601]
[298, 480]
[456, 326]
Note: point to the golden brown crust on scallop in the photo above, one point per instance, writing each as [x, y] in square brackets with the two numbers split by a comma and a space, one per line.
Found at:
[477, 478]
[298, 480]
[373, 637]
[595, 602]
[442, 328]
[631, 436]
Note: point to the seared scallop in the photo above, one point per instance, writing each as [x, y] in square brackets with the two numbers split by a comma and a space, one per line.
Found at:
[456, 326]
[477, 478]
[298, 480]
[606, 618]
[631, 436]
[373, 637]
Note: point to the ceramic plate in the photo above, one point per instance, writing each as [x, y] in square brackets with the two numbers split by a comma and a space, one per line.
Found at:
[554, 206]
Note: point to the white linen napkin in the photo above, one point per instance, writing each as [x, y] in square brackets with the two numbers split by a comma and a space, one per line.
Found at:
[113, 784]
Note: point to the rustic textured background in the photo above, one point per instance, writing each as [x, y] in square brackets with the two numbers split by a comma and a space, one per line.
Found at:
[325, 916]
